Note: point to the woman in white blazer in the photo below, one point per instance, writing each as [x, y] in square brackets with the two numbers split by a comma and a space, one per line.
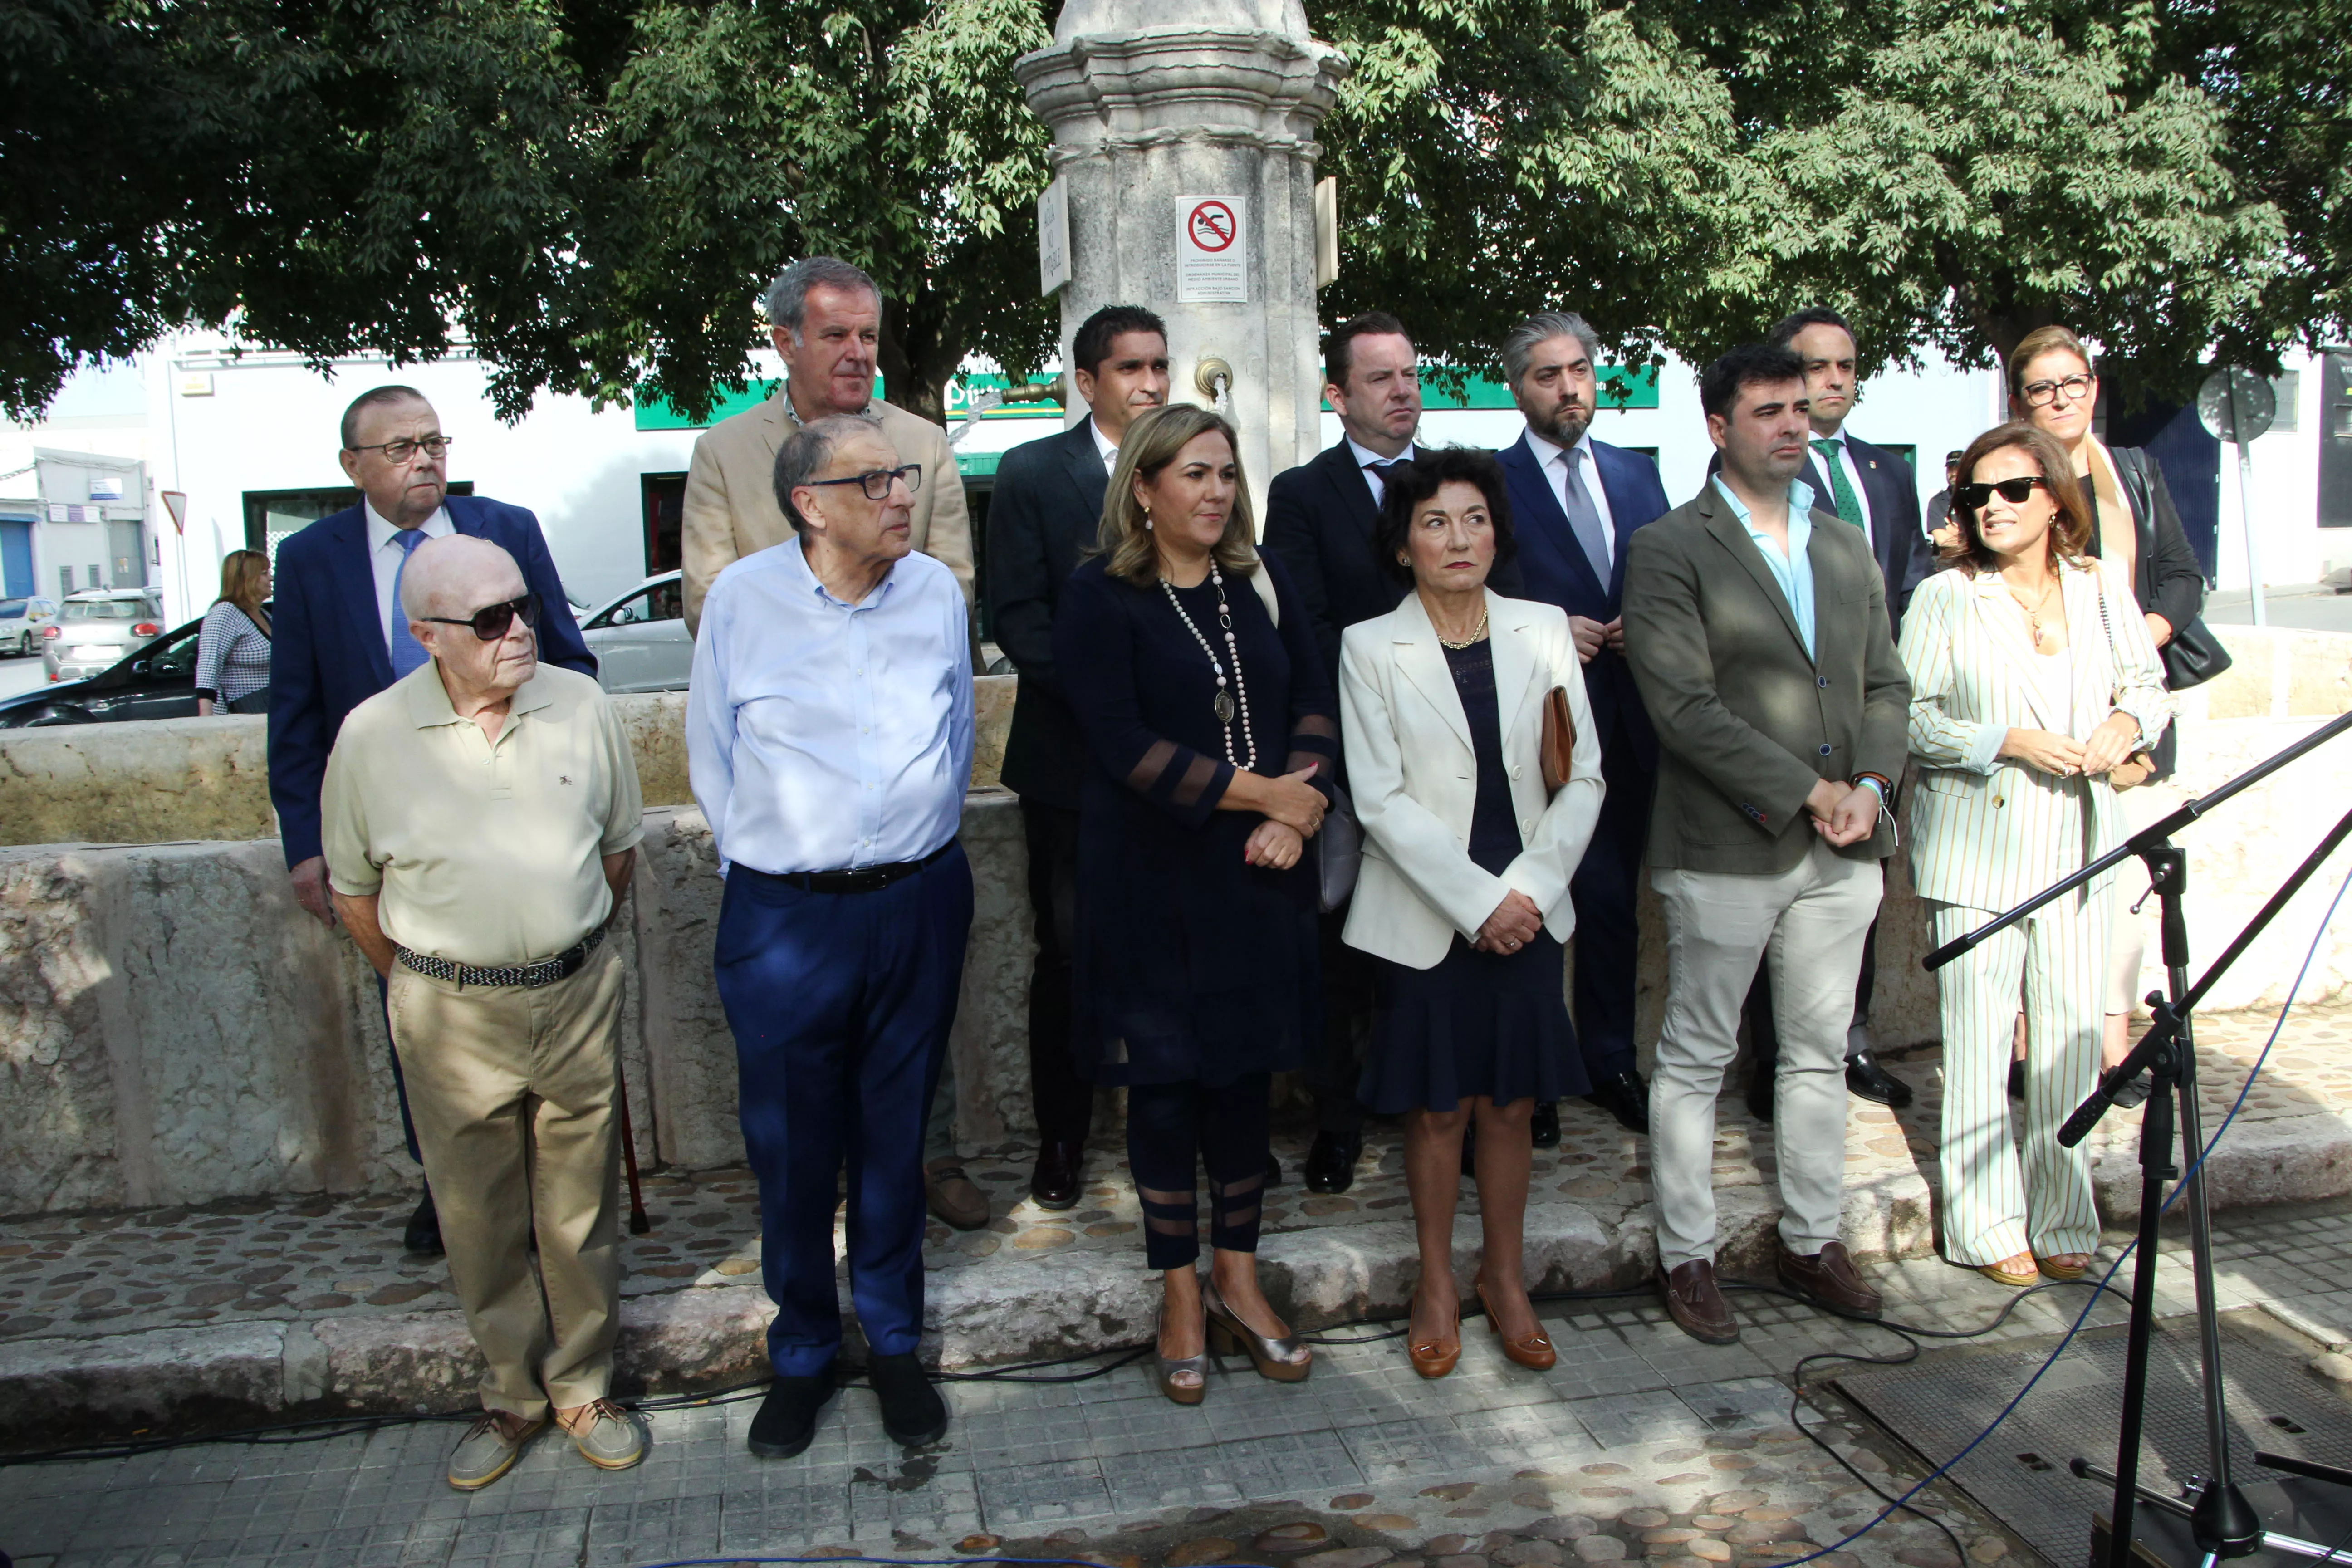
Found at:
[1462, 897]
[2032, 678]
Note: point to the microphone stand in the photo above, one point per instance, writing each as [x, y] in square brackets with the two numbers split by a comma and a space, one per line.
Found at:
[2222, 1521]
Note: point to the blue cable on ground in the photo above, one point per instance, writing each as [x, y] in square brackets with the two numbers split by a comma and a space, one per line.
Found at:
[1937, 1474]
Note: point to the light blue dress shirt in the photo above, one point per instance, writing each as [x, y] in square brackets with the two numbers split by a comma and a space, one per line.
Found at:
[1794, 571]
[822, 736]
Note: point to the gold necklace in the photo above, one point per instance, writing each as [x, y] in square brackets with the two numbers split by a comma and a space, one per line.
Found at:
[2034, 611]
[1478, 634]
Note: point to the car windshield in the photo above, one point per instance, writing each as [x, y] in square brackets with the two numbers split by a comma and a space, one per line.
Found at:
[11, 608]
[104, 609]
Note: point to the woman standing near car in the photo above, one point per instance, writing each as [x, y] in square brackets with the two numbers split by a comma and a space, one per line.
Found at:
[232, 647]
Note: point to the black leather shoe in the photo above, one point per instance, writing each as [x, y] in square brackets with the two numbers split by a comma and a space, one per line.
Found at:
[787, 1419]
[424, 1231]
[1865, 1077]
[1626, 1097]
[913, 1414]
[2016, 1080]
[1761, 1079]
[1543, 1127]
[1331, 1163]
[1273, 1169]
[1055, 1183]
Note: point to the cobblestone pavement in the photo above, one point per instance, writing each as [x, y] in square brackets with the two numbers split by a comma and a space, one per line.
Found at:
[1641, 1445]
[121, 1271]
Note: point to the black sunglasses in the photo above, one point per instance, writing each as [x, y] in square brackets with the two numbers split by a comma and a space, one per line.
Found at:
[492, 621]
[1972, 497]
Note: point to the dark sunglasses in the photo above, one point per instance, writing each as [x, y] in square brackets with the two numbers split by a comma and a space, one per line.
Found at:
[492, 621]
[1972, 497]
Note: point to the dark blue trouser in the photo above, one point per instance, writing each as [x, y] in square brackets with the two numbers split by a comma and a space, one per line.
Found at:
[1606, 885]
[840, 1005]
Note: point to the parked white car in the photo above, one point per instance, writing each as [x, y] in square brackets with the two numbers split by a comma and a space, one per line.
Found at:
[640, 639]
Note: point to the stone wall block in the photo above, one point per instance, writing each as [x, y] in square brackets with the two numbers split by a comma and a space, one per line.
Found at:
[57, 1093]
[173, 1380]
[991, 1039]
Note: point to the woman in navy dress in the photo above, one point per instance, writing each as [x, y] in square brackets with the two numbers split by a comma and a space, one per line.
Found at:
[1192, 671]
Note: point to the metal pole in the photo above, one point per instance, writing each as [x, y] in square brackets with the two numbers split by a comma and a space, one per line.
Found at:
[2246, 499]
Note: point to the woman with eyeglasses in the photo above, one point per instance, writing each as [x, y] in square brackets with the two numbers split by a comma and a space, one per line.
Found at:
[2034, 678]
[2135, 527]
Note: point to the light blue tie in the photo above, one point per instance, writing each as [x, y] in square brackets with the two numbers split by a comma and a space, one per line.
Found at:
[407, 652]
[1584, 517]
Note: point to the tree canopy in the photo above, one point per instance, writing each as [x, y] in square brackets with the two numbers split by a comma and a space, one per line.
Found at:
[590, 193]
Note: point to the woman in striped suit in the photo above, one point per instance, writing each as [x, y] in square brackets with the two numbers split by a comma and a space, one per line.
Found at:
[2032, 677]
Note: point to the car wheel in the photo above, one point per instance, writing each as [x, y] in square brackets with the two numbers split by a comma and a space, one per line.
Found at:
[25, 645]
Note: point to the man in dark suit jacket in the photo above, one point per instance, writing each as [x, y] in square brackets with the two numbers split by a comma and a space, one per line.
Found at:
[337, 638]
[1319, 518]
[1875, 490]
[1046, 509]
[1572, 533]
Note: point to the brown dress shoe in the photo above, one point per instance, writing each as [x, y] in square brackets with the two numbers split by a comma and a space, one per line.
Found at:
[954, 1198]
[1053, 1184]
[1828, 1278]
[1696, 1306]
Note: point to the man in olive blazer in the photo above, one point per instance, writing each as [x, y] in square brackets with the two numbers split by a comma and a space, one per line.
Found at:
[1756, 631]
[826, 318]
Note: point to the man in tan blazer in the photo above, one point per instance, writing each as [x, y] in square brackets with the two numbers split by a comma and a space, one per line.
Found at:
[825, 317]
[1755, 627]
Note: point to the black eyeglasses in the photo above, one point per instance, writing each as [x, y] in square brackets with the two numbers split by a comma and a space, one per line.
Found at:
[1972, 497]
[400, 451]
[2075, 387]
[493, 621]
[876, 483]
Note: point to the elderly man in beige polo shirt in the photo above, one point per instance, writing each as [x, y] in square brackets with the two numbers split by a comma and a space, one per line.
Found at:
[481, 817]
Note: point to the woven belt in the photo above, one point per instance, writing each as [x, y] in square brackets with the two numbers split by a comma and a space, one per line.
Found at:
[546, 972]
[862, 879]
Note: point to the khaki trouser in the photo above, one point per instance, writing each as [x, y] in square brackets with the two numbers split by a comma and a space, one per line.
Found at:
[514, 1092]
[1807, 924]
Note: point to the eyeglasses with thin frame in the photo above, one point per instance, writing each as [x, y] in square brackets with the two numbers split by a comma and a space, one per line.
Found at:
[2040, 392]
[492, 621]
[876, 483]
[400, 451]
[1972, 497]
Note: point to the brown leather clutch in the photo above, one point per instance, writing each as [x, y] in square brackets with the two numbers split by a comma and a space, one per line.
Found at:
[1558, 744]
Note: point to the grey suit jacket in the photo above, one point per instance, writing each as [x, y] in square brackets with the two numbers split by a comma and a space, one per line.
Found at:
[1746, 723]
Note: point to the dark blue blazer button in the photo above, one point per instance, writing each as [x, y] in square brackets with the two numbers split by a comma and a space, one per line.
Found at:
[1820, 680]
[1825, 748]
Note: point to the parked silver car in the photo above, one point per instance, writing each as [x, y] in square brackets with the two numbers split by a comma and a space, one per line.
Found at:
[640, 639]
[21, 621]
[94, 628]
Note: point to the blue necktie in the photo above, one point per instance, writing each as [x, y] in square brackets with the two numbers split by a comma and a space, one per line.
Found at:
[1583, 518]
[407, 652]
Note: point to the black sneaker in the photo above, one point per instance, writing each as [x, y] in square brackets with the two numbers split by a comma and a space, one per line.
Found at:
[786, 1422]
[913, 1414]
[1543, 1125]
[423, 1234]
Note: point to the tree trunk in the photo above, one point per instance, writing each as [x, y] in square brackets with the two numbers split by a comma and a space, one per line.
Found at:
[911, 360]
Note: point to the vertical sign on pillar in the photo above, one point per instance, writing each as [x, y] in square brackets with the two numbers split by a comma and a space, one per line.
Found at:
[1052, 238]
[1212, 258]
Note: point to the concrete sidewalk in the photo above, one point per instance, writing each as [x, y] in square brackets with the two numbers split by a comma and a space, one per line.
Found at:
[180, 1319]
[1642, 1443]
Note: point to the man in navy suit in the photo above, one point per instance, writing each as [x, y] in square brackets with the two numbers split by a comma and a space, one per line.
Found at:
[1046, 510]
[1874, 489]
[337, 637]
[1319, 518]
[1575, 502]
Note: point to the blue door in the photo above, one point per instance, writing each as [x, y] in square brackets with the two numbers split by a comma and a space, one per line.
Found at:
[15, 558]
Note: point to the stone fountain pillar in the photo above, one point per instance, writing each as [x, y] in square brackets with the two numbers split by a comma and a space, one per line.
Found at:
[1185, 156]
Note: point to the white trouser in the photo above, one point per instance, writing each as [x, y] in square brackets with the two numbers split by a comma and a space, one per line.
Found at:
[1809, 924]
[2052, 966]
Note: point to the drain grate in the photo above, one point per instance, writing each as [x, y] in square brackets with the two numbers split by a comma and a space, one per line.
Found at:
[1940, 1402]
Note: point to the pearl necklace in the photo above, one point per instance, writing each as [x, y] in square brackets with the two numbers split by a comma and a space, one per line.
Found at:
[1223, 704]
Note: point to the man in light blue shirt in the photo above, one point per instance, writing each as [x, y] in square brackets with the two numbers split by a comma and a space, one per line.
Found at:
[829, 733]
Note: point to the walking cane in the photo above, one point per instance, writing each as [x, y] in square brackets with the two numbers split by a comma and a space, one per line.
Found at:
[638, 1223]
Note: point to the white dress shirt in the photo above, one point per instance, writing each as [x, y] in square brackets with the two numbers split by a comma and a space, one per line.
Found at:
[1554, 459]
[1105, 445]
[1852, 477]
[384, 556]
[1368, 461]
[822, 736]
